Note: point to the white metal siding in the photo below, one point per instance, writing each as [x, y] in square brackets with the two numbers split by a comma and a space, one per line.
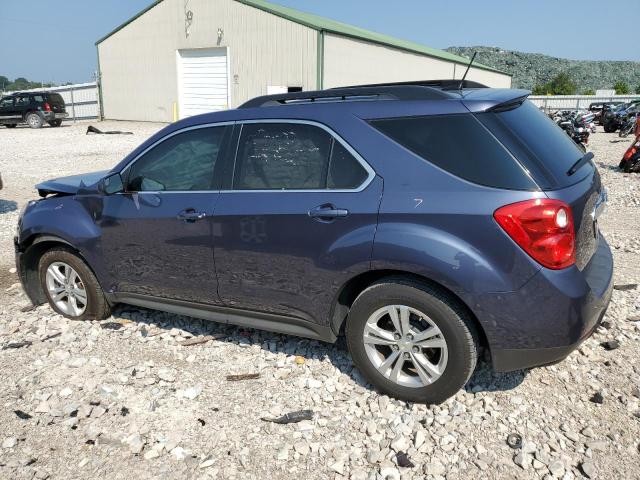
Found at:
[138, 63]
[202, 81]
[349, 61]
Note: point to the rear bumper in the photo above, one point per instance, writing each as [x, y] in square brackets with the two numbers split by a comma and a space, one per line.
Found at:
[550, 316]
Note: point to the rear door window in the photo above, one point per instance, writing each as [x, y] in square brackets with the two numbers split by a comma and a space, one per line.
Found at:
[461, 145]
[282, 156]
[544, 148]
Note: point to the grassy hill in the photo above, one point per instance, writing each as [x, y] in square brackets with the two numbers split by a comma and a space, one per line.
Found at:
[531, 69]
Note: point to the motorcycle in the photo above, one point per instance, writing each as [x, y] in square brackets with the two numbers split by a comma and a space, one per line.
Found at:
[628, 124]
[630, 162]
[578, 126]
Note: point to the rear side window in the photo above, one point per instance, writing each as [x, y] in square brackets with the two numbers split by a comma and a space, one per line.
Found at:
[543, 147]
[345, 172]
[55, 99]
[461, 145]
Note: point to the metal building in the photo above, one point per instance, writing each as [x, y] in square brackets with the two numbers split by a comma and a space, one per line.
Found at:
[183, 57]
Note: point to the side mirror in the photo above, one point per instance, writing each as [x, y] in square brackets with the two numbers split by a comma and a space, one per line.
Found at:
[111, 184]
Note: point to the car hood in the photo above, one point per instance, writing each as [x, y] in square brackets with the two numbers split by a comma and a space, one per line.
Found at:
[70, 185]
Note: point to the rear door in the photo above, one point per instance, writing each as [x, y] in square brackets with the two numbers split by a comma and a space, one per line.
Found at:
[56, 102]
[297, 221]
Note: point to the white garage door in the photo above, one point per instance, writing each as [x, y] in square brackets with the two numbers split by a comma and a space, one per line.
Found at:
[203, 81]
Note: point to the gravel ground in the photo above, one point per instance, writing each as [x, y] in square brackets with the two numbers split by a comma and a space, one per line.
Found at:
[123, 398]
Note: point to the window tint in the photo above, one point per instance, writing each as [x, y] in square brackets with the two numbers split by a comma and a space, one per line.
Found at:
[345, 172]
[55, 99]
[460, 145]
[38, 98]
[6, 102]
[543, 147]
[23, 100]
[283, 156]
[183, 162]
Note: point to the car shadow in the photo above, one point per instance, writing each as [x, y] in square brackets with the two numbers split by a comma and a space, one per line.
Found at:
[155, 322]
[7, 206]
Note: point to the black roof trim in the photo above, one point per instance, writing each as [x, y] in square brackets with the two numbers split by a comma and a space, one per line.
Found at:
[356, 93]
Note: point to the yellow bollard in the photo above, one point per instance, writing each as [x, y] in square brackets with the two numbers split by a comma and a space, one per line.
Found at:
[175, 111]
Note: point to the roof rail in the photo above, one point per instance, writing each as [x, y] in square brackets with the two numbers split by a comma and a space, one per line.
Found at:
[356, 93]
[448, 84]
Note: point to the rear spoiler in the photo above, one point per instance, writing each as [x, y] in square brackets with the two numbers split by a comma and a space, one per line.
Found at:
[494, 99]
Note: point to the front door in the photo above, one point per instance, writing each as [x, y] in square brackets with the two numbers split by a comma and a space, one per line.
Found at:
[298, 222]
[156, 237]
[7, 114]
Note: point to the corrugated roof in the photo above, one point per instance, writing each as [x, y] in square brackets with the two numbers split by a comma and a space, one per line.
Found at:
[332, 26]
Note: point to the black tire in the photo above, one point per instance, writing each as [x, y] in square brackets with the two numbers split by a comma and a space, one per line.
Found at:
[608, 128]
[11, 125]
[34, 120]
[97, 307]
[55, 123]
[453, 320]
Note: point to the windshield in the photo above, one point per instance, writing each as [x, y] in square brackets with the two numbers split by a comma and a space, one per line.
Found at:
[539, 144]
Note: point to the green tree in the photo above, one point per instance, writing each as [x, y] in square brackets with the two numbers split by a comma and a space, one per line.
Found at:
[638, 89]
[540, 90]
[589, 91]
[622, 88]
[562, 85]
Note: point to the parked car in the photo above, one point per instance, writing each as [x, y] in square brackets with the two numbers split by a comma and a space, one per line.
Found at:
[424, 221]
[33, 108]
[613, 119]
[598, 109]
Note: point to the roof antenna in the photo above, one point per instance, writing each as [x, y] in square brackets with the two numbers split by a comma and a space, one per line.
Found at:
[467, 71]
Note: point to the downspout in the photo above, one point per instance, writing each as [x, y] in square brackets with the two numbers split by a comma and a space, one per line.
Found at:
[320, 61]
[99, 81]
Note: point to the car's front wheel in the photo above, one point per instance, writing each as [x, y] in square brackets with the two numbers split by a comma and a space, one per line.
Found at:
[71, 287]
[411, 340]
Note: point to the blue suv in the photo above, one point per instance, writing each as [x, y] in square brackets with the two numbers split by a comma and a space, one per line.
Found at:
[424, 221]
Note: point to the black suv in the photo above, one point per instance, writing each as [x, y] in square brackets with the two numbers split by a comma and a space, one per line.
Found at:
[33, 108]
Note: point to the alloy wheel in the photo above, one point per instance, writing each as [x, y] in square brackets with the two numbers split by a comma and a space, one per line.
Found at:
[405, 346]
[66, 289]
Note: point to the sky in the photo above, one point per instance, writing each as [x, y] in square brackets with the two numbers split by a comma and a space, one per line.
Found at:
[57, 43]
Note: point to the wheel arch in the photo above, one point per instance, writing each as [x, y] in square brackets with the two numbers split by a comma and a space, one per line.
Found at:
[32, 250]
[356, 285]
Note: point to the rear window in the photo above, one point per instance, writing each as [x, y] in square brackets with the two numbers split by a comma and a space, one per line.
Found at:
[461, 145]
[55, 99]
[540, 145]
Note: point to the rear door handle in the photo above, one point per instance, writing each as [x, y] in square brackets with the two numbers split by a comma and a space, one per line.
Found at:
[327, 212]
[190, 215]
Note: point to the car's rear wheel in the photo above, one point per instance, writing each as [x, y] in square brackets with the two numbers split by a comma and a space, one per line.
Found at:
[55, 123]
[411, 340]
[34, 120]
[71, 287]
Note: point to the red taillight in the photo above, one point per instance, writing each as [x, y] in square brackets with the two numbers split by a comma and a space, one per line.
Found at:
[47, 107]
[543, 228]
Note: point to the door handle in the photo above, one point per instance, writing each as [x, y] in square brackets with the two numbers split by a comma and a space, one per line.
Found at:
[190, 215]
[327, 212]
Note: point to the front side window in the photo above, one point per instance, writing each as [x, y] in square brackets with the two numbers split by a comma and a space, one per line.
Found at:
[292, 156]
[23, 100]
[183, 162]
